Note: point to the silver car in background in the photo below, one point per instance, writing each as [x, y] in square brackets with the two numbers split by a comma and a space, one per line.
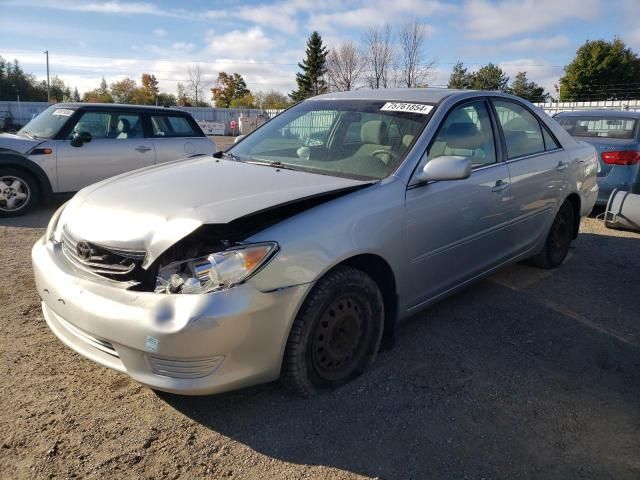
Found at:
[616, 137]
[72, 145]
[295, 254]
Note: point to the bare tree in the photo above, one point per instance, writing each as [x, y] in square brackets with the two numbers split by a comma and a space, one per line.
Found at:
[196, 82]
[379, 56]
[414, 71]
[344, 66]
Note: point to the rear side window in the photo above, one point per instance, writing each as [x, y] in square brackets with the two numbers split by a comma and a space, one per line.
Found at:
[549, 142]
[171, 126]
[607, 127]
[522, 131]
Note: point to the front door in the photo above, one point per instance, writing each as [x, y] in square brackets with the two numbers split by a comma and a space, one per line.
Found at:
[117, 145]
[459, 229]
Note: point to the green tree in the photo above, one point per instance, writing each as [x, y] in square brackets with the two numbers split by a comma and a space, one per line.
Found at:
[124, 90]
[526, 89]
[229, 88]
[460, 77]
[99, 95]
[247, 101]
[75, 96]
[489, 77]
[59, 91]
[601, 70]
[167, 99]
[271, 100]
[314, 67]
[14, 83]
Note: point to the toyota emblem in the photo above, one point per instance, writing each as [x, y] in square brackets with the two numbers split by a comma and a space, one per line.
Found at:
[84, 250]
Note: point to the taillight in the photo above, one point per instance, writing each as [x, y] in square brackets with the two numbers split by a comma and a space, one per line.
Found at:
[625, 157]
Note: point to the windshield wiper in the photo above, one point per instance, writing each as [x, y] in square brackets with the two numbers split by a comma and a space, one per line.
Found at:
[275, 164]
[28, 134]
[222, 153]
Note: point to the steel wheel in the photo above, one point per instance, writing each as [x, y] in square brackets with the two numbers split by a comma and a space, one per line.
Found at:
[15, 193]
[337, 342]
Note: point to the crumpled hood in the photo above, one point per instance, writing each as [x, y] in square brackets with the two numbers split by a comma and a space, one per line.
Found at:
[17, 143]
[153, 208]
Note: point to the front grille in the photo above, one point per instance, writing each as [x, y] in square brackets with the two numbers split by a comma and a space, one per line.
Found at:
[184, 368]
[115, 263]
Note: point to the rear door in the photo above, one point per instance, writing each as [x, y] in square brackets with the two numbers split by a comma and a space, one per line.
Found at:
[177, 136]
[459, 229]
[117, 145]
[538, 168]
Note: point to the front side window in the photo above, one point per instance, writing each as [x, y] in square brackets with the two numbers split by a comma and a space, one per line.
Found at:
[48, 123]
[466, 132]
[352, 138]
[522, 132]
[171, 126]
[593, 126]
[109, 125]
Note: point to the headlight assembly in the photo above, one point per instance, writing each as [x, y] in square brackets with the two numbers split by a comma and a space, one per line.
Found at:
[216, 271]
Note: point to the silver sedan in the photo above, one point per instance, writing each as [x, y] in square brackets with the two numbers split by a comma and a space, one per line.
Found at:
[295, 254]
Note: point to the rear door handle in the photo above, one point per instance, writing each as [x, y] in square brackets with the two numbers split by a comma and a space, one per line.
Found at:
[143, 149]
[500, 186]
[562, 165]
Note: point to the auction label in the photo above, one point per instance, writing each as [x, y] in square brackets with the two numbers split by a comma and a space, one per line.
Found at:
[65, 112]
[407, 107]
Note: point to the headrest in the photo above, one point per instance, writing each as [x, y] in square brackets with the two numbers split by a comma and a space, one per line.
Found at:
[374, 131]
[407, 139]
[123, 125]
[463, 135]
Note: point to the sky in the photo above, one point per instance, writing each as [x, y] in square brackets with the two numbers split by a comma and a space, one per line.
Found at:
[264, 41]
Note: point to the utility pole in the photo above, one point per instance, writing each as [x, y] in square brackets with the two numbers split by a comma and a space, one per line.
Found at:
[46, 52]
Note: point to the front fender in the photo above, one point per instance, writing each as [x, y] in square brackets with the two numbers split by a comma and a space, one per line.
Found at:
[15, 160]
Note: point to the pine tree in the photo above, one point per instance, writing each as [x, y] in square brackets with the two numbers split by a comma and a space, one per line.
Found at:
[75, 97]
[460, 77]
[311, 80]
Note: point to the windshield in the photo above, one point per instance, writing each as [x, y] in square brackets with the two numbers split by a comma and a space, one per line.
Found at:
[47, 124]
[360, 139]
[607, 127]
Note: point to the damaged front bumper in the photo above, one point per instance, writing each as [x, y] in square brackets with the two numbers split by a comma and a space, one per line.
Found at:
[188, 344]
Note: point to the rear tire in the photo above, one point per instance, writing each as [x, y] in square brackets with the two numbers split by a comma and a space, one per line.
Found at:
[336, 335]
[558, 242]
[18, 192]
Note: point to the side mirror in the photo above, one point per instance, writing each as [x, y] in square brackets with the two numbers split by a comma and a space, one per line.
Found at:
[239, 138]
[447, 167]
[80, 138]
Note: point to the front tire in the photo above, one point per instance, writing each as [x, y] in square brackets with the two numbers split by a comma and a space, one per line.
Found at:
[558, 242]
[336, 335]
[18, 192]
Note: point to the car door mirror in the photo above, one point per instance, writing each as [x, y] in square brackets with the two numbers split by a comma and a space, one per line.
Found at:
[80, 138]
[446, 167]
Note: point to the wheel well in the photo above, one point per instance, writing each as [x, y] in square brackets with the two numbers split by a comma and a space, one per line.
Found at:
[575, 202]
[40, 177]
[380, 271]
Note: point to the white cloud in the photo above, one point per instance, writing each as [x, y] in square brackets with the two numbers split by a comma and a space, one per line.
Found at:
[160, 32]
[487, 19]
[183, 46]
[252, 43]
[539, 45]
[540, 71]
[109, 7]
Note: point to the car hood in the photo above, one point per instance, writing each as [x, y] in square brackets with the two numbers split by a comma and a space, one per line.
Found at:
[153, 208]
[17, 143]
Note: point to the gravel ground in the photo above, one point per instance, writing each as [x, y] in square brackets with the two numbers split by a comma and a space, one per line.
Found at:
[528, 374]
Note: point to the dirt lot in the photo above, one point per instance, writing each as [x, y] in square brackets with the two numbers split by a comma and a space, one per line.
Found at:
[528, 374]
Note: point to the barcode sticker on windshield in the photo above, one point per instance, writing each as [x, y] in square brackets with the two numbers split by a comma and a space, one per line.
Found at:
[65, 112]
[407, 107]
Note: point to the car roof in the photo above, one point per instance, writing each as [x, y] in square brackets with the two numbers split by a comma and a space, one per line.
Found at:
[600, 113]
[120, 106]
[427, 95]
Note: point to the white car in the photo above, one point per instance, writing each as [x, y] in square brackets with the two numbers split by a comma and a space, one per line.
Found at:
[70, 146]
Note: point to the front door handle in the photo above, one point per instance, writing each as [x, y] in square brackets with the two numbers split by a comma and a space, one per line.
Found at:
[143, 149]
[562, 165]
[500, 186]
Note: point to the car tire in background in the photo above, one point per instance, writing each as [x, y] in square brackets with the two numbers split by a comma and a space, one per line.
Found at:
[336, 334]
[18, 192]
[558, 241]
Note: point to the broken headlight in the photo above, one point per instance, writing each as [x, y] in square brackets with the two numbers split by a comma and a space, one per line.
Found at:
[216, 271]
